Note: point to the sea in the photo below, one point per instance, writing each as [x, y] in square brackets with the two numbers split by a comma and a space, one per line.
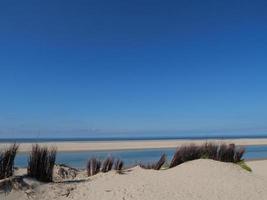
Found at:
[130, 157]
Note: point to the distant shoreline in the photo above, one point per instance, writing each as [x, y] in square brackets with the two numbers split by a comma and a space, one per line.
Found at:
[107, 139]
[67, 146]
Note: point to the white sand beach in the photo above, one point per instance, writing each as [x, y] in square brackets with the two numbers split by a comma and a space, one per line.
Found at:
[195, 180]
[138, 144]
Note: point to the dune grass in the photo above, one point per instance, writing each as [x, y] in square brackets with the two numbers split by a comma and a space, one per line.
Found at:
[118, 165]
[157, 165]
[107, 164]
[220, 152]
[7, 158]
[93, 166]
[41, 163]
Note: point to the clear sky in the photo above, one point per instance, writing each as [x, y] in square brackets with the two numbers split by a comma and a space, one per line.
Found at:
[127, 68]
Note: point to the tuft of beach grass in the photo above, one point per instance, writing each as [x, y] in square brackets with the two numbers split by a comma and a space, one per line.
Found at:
[7, 158]
[219, 152]
[41, 163]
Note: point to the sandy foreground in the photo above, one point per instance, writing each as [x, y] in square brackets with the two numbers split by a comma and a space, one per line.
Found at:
[195, 180]
[126, 145]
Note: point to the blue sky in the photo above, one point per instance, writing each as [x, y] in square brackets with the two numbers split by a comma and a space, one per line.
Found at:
[128, 68]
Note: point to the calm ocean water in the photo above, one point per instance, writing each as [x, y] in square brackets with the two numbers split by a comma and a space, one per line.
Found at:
[130, 157]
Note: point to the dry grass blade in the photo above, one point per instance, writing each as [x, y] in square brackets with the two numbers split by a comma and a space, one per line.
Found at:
[41, 163]
[160, 163]
[107, 164]
[7, 158]
[93, 166]
[118, 165]
[155, 166]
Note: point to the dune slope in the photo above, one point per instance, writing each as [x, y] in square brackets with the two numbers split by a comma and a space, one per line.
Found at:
[199, 179]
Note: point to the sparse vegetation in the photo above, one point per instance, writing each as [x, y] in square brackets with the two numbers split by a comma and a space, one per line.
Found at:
[107, 164]
[118, 165]
[93, 166]
[147, 165]
[157, 165]
[161, 162]
[41, 163]
[223, 152]
[7, 158]
[42, 160]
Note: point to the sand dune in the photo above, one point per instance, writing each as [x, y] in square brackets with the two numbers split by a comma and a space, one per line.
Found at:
[194, 180]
